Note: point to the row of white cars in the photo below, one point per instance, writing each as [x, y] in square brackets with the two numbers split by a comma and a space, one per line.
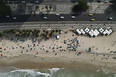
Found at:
[61, 17]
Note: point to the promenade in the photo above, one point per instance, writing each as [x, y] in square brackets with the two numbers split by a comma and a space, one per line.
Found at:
[56, 25]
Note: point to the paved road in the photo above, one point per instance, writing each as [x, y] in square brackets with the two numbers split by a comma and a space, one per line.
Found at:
[52, 17]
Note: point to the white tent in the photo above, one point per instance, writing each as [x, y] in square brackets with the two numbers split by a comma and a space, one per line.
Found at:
[105, 32]
[91, 33]
[79, 32]
[110, 31]
[87, 30]
[82, 31]
[101, 30]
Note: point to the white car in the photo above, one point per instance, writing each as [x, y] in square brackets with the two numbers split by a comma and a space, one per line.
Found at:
[22, 1]
[62, 17]
[45, 18]
[57, 14]
[7, 15]
[36, 1]
[110, 18]
[73, 17]
[14, 18]
[106, 1]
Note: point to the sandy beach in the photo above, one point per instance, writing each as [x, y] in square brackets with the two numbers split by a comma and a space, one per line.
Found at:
[99, 57]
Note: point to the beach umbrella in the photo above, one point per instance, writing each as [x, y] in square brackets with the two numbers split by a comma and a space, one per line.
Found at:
[70, 29]
[13, 48]
[1, 51]
[21, 51]
[55, 53]
[23, 47]
[28, 45]
[4, 48]
[35, 48]
[30, 48]
[57, 47]
[60, 46]
[26, 50]
[43, 48]
[47, 50]
[64, 49]
[111, 51]
[0, 47]
[1, 54]
[37, 52]
[53, 47]
[37, 44]
[60, 49]
[80, 52]
[54, 50]
[35, 55]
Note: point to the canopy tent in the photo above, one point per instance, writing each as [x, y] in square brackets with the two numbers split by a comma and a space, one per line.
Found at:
[87, 30]
[101, 30]
[82, 31]
[79, 32]
[91, 32]
[105, 32]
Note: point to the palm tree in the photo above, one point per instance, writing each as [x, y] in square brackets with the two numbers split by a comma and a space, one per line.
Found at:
[38, 31]
[53, 31]
[56, 30]
[47, 32]
[113, 6]
[43, 34]
[1, 34]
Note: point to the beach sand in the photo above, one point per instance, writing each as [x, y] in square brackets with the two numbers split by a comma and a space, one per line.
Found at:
[101, 45]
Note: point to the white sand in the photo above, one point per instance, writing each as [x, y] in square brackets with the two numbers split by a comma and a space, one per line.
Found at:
[103, 43]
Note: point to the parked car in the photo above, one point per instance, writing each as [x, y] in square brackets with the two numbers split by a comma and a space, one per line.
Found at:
[57, 14]
[14, 18]
[7, 15]
[110, 18]
[90, 14]
[106, 1]
[99, 0]
[36, 1]
[92, 19]
[22, 1]
[45, 18]
[62, 17]
[73, 17]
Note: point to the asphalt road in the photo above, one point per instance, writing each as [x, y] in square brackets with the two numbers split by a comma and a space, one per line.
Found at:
[53, 17]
